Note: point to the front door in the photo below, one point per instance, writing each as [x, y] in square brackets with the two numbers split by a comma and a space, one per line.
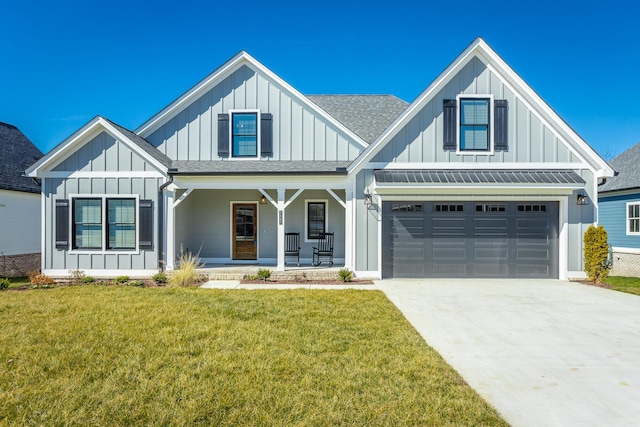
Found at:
[244, 231]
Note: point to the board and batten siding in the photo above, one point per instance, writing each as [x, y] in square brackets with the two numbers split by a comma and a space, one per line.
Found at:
[530, 141]
[298, 133]
[102, 153]
[613, 216]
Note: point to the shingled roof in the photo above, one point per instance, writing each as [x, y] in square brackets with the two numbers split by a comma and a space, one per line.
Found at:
[17, 153]
[365, 115]
[626, 164]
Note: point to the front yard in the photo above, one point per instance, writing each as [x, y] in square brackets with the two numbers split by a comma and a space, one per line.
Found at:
[126, 355]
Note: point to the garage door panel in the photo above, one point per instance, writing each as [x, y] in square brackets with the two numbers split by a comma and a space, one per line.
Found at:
[470, 239]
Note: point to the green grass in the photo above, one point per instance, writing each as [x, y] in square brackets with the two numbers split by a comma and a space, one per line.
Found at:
[96, 355]
[630, 285]
[18, 282]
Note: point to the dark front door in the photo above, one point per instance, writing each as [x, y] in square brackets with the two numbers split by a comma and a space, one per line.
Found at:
[244, 231]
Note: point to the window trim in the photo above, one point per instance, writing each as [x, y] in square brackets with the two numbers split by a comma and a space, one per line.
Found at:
[258, 155]
[628, 218]
[490, 150]
[103, 204]
[306, 217]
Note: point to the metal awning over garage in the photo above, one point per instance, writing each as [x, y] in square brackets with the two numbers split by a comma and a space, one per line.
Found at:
[565, 178]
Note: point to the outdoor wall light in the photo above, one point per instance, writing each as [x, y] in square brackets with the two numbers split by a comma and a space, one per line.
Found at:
[367, 198]
[263, 200]
[582, 199]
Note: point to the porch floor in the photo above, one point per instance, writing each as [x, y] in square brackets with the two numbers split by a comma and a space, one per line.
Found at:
[292, 272]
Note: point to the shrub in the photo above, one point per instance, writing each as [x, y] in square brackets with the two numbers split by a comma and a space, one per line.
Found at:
[135, 283]
[186, 274]
[39, 280]
[121, 279]
[4, 283]
[160, 278]
[76, 276]
[345, 274]
[263, 274]
[597, 262]
[87, 279]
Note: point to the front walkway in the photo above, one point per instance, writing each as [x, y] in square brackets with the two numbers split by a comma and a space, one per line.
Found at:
[543, 352]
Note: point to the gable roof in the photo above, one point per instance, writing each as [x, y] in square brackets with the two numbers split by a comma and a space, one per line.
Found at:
[91, 129]
[481, 50]
[626, 164]
[365, 115]
[16, 154]
[217, 76]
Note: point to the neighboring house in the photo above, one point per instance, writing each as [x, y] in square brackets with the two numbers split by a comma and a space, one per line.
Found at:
[478, 177]
[20, 205]
[619, 213]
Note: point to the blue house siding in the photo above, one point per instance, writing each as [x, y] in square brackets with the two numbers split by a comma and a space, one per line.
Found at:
[613, 216]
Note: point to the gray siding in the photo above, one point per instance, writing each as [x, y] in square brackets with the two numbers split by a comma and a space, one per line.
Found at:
[529, 139]
[56, 259]
[103, 153]
[366, 241]
[298, 134]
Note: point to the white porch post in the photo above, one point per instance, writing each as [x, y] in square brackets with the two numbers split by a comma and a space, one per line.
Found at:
[170, 229]
[348, 229]
[280, 218]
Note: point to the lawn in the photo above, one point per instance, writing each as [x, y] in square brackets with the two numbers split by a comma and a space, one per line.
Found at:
[630, 285]
[139, 356]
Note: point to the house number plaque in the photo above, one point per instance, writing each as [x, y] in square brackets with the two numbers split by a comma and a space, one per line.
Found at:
[280, 217]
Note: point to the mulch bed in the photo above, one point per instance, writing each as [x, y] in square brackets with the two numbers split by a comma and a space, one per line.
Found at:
[601, 285]
[304, 282]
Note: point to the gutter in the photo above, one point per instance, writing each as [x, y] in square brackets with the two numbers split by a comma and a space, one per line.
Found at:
[161, 189]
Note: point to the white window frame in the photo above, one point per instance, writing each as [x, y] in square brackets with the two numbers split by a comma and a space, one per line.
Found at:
[103, 200]
[258, 134]
[490, 150]
[306, 217]
[628, 219]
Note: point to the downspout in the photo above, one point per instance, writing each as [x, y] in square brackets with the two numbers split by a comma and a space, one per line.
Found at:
[161, 215]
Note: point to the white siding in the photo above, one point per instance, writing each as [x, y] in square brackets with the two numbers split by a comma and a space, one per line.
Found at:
[19, 223]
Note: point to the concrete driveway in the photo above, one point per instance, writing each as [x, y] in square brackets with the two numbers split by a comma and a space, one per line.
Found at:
[542, 352]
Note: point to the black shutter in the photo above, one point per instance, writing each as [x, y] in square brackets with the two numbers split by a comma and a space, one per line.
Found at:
[500, 115]
[223, 135]
[145, 214]
[449, 125]
[62, 224]
[266, 135]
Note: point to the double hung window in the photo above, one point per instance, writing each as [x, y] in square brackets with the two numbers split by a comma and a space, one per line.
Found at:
[245, 135]
[104, 223]
[474, 124]
[633, 218]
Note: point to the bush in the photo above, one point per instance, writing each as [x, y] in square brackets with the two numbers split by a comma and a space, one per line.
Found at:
[186, 274]
[76, 276]
[4, 283]
[87, 279]
[135, 283]
[160, 278]
[597, 262]
[345, 275]
[121, 279]
[263, 274]
[39, 280]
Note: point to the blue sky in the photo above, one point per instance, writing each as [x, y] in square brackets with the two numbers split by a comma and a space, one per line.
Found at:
[65, 62]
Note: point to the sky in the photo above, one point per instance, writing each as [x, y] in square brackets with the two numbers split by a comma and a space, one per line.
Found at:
[64, 62]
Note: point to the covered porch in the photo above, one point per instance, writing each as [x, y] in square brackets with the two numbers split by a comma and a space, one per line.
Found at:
[237, 224]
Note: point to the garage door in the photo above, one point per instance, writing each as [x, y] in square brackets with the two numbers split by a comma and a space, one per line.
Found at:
[470, 239]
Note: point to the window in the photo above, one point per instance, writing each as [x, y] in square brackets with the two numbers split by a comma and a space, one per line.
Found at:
[449, 208]
[633, 218]
[406, 207]
[87, 223]
[121, 224]
[245, 135]
[474, 124]
[316, 219]
[491, 208]
[101, 223]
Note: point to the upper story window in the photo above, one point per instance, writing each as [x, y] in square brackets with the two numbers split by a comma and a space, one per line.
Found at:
[633, 218]
[475, 124]
[245, 134]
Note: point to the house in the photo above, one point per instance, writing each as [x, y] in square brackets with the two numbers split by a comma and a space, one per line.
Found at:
[477, 177]
[619, 202]
[20, 205]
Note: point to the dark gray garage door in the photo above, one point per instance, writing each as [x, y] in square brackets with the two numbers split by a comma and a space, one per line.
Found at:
[470, 239]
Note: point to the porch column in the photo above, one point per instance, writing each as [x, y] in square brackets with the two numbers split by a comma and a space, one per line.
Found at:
[280, 218]
[169, 229]
[348, 229]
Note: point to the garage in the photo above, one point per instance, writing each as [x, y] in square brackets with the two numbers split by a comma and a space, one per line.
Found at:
[470, 239]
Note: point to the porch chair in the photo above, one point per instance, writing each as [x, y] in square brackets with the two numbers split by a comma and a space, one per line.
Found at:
[292, 246]
[324, 250]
